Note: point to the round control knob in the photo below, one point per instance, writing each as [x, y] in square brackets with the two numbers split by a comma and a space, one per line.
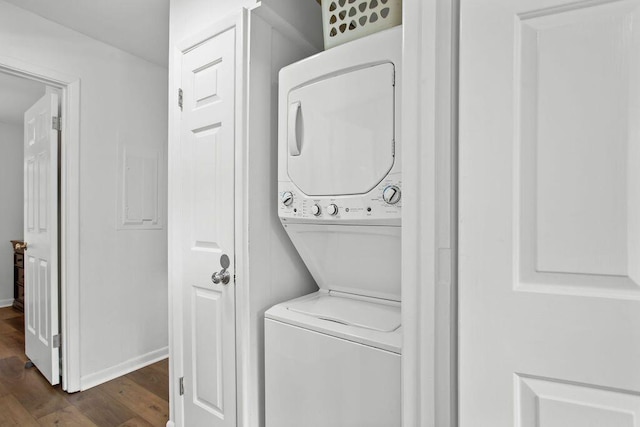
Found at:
[332, 209]
[391, 194]
[315, 210]
[287, 198]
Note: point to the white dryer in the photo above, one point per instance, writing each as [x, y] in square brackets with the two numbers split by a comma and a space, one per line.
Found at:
[333, 357]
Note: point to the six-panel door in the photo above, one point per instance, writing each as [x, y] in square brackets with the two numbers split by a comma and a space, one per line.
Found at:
[41, 235]
[207, 203]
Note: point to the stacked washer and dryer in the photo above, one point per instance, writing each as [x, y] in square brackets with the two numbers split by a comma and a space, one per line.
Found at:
[332, 358]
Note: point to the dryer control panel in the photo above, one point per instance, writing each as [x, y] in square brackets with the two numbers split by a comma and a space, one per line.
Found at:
[384, 202]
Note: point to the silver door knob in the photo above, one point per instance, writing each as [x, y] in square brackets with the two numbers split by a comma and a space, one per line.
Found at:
[223, 276]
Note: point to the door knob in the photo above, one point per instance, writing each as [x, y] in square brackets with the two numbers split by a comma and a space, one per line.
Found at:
[223, 276]
[21, 246]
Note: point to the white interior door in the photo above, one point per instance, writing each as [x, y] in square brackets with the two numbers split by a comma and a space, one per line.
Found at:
[41, 236]
[207, 145]
[550, 213]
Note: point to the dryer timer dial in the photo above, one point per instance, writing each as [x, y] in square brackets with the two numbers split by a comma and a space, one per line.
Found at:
[287, 198]
[391, 194]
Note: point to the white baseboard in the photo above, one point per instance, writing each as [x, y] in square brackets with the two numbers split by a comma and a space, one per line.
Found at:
[97, 378]
[170, 424]
[6, 302]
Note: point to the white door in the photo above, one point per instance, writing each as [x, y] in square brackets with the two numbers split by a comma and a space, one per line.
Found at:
[41, 236]
[207, 146]
[550, 213]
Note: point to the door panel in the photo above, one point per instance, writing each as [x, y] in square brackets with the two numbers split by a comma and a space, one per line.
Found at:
[558, 404]
[549, 213]
[207, 320]
[41, 235]
[207, 145]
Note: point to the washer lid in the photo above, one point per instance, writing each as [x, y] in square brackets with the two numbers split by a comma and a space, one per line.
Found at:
[341, 130]
[350, 311]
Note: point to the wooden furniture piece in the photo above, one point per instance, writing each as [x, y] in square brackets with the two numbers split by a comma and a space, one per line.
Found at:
[18, 274]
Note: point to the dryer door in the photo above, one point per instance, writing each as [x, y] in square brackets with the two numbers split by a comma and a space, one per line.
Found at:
[340, 132]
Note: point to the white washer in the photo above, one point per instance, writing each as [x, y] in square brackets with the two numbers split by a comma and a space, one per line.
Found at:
[327, 366]
[332, 358]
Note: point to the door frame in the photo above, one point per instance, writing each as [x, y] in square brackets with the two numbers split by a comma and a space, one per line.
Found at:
[429, 219]
[238, 21]
[69, 232]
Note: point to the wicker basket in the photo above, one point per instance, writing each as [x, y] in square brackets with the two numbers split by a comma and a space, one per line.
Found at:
[346, 20]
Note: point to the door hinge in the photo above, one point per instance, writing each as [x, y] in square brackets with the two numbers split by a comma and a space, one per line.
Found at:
[181, 385]
[393, 77]
[56, 123]
[56, 341]
[180, 99]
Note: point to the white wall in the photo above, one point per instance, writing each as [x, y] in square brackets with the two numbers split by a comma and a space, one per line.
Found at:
[123, 274]
[11, 177]
[276, 273]
[188, 17]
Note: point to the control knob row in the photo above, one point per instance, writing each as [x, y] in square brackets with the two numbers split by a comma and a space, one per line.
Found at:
[287, 200]
[331, 210]
[390, 195]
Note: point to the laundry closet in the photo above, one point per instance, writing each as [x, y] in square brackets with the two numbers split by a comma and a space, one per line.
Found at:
[333, 356]
[242, 239]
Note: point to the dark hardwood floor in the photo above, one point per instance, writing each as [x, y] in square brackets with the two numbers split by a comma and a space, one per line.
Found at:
[139, 399]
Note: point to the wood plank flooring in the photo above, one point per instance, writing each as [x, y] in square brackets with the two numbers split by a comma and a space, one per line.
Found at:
[139, 399]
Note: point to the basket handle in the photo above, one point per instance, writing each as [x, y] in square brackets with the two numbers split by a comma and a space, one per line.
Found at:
[294, 134]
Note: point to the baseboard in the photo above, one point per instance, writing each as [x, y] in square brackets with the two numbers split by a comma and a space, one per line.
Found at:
[123, 368]
[6, 302]
[170, 423]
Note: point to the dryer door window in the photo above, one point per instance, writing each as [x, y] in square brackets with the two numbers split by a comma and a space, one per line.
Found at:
[340, 132]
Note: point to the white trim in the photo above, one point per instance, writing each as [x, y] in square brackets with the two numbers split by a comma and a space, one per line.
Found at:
[446, 298]
[176, 366]
[6, 302]
[241, 226]
[429, 213]
[70, 235]
[174, 270]
[123, 368]
[69, 210]
[170, 423]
